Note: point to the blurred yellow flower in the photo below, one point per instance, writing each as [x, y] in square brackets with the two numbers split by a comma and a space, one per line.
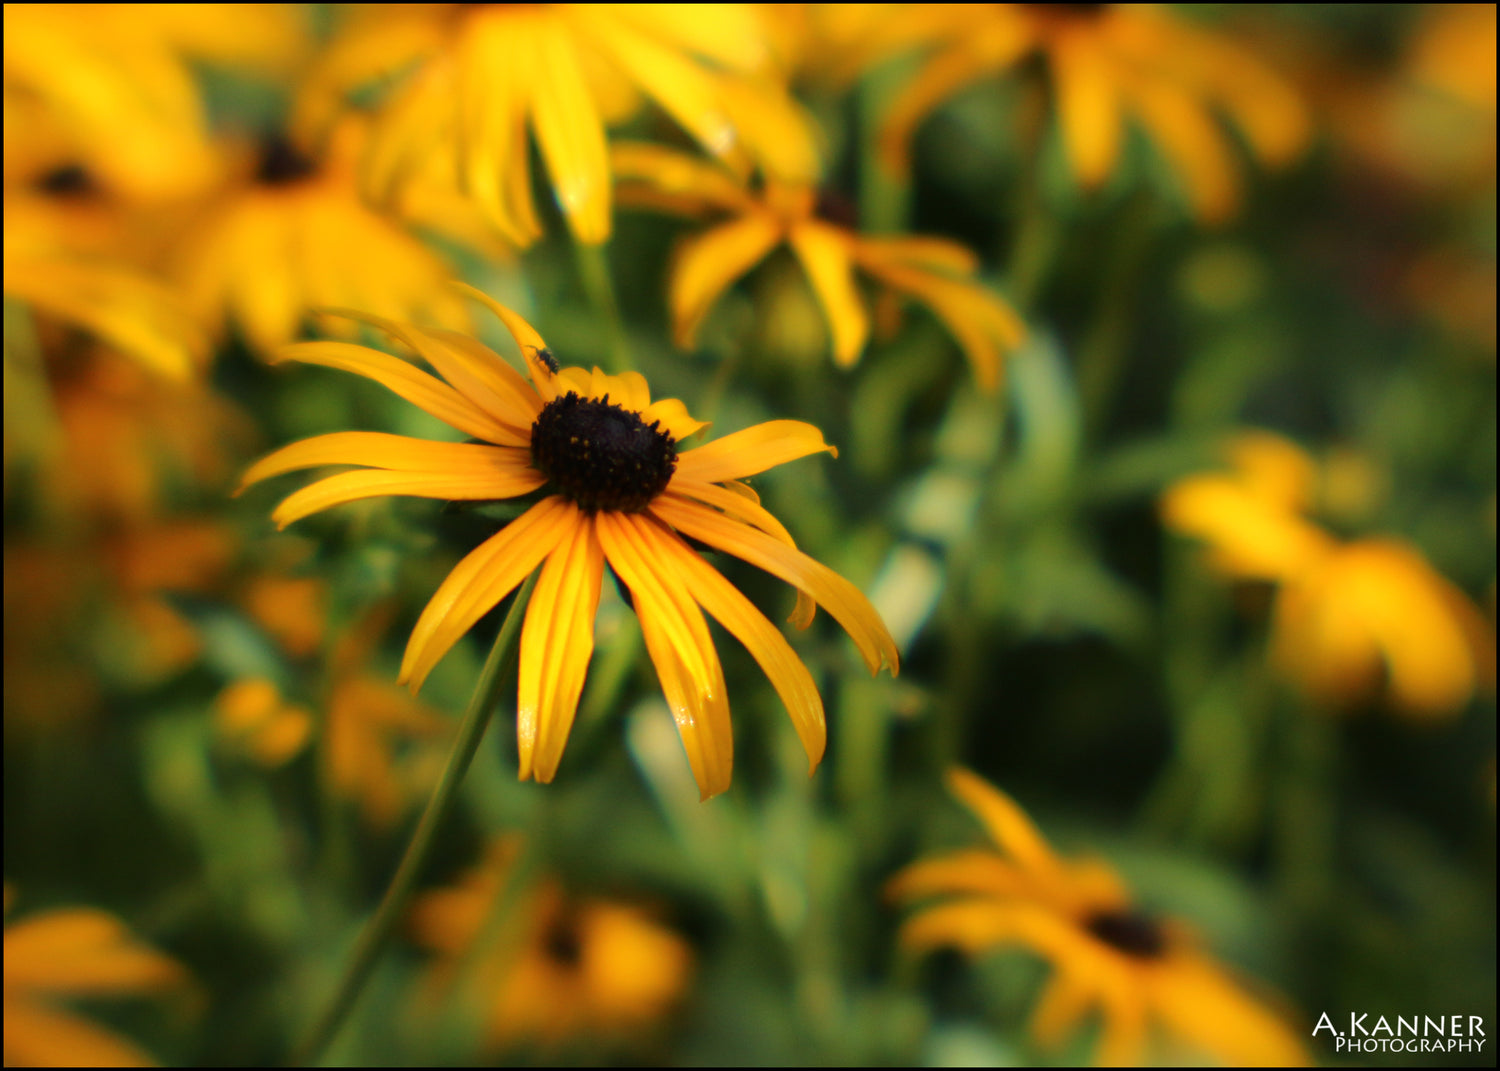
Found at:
[572, 970]
[116, 82]
[1148, 977]
[290, 235]
[478, 76]
[1106, 63]
[1351, 618]
[623, 494]
[251, 715]
[937, 273]
[63, 954]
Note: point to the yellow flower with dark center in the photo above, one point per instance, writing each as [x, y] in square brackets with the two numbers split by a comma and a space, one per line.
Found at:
[292, 234]
[624, 492]
[1106, 63]
[115, 79]
[477, 76]
[1351, 618]
[567, 969]
[72, 953]
[1146, 976]
[937, 273]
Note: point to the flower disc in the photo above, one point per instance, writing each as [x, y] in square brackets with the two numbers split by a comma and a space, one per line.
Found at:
[601, 455]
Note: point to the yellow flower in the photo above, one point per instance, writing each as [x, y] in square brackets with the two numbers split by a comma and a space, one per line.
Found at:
[292, 235]
[935, 272]
[1106, 63]
[67, 953]
[115, 78]
[1349, 616]
[574, 970]
[251, 715]
[477, 76]
[622, 493]
[1145, 975]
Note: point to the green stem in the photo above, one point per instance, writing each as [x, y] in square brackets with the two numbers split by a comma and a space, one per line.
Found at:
[593, 270]
[382, 924]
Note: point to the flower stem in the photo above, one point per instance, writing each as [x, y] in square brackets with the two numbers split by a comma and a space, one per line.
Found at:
[378, 930]
[593, 270]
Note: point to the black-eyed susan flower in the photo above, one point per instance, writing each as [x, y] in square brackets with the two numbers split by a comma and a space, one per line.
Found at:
[290, 234]
[932, 271]
[574, 970]
[476, 77]
[1106, 63]
[1350, 617]
[624, 491]
[53, 957]
[116, 80]
[1150, 981]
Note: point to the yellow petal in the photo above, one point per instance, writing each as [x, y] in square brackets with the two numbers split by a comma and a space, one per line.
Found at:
[533, 349]
[556, 645]
[570, 134]
[705, 265]
[39, 1036]
[80, 952]
[426, 392]
[938, 80]
[975, 871]
[379, 450]
[377, 483]
[933, 254]
[839, 597]
[824, 252]
[755, 449]
[1088, 104]
[1251, 536]
[1198, 1003]
[486, 575]
[775, 656]
[746, 507]
[1006, 823]
[675, 419]
[688, 185]
[680, 646]
[1059, 1009]
[1187, 136]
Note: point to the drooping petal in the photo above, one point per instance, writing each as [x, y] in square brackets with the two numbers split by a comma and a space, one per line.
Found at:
[938, 80]
[707, 264]
[489, 573]
[839, 597]
[398, 453]
[556, 645]
[680, 646]
[933, 254]
[1006, 824]
[82, 951]
[530, 343]
[426, 392]
[379, 483]
[769, 648]
[39, 1035]
[1058, 1010]
[1188, 137]
[570, 133]
[825, 255]
[755, 449]
[1088, 104]
[734, 501]
[976, 871]
[689, 184]
[1199, 1003]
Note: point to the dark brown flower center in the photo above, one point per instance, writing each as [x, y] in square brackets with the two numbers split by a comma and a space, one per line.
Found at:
[68, 181]
[600, 455]
[1130, 932]
[280, 162]
[563, 944]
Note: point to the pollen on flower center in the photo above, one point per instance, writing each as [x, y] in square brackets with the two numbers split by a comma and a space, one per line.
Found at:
[1130, 932]
[600, 455]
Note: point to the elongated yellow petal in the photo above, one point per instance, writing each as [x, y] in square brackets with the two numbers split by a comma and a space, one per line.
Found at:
[692, 184]
[1006, 824]
[489, 573]
[496, 372]
[977, 870]
[39, 1035]
[377, 483]
[1188, 137]
[755, 449]
[732, 34]
[399, 453]
[491, 87]
[426, 392]
[82, 951]
[938, 80]
[977, 925]
[839, 597]
[934, 254]
[769, 648]
[556, 645]
[1203, 1006]
[686, 90]
[533, 348]
[734, 501]
[1088, 104]
[570, 134]
[675, 419]
[825, 255]
[707, 264]
[1058, 1010]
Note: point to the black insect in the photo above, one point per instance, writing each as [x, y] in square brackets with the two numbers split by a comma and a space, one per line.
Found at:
[545, 356]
